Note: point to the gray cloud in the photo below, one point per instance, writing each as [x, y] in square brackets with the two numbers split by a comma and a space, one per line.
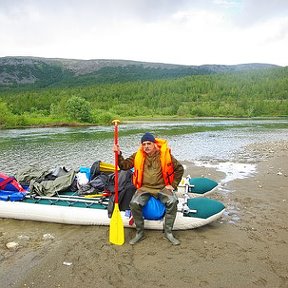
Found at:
[140, 8]
[256, 11]
[244, 10]
[87, 28]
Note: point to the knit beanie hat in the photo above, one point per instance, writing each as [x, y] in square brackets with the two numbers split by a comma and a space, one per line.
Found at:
[148, 137]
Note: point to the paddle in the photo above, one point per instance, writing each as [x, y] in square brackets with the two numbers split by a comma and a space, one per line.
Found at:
[116, 223]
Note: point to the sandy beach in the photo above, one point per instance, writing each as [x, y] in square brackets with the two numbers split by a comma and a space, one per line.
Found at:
[247, 247]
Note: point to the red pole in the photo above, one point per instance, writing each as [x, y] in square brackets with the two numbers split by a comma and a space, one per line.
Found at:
[116, 160]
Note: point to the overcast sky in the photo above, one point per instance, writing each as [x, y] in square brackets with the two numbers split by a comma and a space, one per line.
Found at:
[190, 32]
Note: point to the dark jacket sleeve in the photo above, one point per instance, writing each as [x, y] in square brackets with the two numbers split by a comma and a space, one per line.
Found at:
[178, 172]
[126, 164]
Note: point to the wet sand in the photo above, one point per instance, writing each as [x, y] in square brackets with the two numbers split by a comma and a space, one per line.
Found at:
[247, 247]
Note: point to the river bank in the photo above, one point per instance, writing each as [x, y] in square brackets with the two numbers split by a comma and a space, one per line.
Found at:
[247, 247]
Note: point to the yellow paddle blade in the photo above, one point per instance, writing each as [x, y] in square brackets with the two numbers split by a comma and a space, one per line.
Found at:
[116, 227]
[107, 167]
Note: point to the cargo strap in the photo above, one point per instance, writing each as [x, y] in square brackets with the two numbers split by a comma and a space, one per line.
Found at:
[5, 182]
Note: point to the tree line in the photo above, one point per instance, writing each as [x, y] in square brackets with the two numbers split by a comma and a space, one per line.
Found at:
[255, 93]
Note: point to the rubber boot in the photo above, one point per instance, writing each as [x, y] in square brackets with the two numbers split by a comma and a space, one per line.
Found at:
[168, 225]
[139, 231]
[136, 204]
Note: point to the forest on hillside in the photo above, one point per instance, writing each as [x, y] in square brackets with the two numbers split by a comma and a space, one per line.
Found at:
[255, 93]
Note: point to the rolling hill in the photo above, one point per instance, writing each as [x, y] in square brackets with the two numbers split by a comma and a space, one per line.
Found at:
[45, 72]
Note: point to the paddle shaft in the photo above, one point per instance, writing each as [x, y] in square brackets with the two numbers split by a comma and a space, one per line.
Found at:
[63, 198]
[116, 235]
[116, 161]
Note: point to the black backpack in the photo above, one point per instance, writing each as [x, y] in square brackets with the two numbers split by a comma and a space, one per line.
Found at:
[126, 190]
[95, 170]
[98, 180]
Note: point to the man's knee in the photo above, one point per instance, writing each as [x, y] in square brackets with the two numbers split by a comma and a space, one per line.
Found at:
[134, 204]
[171, 204]
[169, 200]
[139, 200]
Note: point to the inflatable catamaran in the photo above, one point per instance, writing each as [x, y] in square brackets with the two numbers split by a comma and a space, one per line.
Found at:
[194, 209]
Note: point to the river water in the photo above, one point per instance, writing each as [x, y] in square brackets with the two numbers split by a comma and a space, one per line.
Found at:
[197, 141]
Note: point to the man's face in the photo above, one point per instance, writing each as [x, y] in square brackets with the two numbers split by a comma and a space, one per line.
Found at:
[148, 147]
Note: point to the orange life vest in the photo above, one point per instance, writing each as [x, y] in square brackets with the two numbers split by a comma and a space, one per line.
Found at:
[166, 164]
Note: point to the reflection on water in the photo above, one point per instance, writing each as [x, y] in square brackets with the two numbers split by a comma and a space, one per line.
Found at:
[189, 140]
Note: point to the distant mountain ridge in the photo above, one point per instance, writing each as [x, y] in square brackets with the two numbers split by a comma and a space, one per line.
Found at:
[43, 72]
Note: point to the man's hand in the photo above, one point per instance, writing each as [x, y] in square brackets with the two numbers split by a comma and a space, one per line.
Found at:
[116, 148]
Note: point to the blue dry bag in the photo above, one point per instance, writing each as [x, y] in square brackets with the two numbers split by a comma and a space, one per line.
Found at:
[154, 209]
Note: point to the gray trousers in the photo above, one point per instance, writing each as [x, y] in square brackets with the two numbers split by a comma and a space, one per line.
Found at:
[140, 198]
